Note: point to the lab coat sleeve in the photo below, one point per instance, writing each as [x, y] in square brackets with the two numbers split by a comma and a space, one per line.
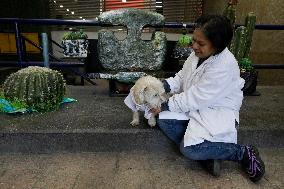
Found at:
[214, 84]
[129, 102]
[176, 82]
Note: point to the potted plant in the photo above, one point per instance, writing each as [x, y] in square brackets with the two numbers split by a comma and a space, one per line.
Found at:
[183, 47]
[75, 44]
[249, 74]
[241, 46]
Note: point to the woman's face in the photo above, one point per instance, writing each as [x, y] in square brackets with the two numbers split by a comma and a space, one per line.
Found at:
[202, 47]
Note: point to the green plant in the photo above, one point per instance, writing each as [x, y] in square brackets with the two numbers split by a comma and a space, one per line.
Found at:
[35, 87]
[184, 41]
[18, 104]
[73, 35]
[245, 65]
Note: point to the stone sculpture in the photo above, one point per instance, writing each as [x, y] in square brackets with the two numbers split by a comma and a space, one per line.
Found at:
[132, 53]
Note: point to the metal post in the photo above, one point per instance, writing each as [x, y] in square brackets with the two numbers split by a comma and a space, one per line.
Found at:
[19, 44]
[45, 51]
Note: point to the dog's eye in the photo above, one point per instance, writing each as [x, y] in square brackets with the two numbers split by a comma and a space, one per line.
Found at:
[155, 95]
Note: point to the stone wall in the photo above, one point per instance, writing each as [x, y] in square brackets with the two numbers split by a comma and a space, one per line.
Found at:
[267, 46]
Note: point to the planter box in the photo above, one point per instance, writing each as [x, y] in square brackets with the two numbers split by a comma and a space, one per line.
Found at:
[182, 52]
[75, 48]
[250, 83]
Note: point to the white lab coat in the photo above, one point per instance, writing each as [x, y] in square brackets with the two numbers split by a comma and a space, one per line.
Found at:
[209, 96]
[130, 103]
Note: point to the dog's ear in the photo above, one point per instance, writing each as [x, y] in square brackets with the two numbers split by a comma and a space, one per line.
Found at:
[139, 94]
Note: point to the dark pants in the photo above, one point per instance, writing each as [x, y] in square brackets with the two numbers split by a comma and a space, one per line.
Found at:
[175, 129]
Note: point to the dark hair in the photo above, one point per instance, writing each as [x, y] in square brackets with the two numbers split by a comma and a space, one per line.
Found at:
[217, 29]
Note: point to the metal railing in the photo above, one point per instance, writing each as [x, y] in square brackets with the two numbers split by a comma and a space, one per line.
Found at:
[21, 52]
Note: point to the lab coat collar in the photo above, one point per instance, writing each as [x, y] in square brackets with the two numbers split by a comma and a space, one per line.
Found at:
[210, 59]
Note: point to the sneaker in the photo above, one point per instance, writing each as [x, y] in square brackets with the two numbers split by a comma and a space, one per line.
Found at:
[212, 166]
[253, 164]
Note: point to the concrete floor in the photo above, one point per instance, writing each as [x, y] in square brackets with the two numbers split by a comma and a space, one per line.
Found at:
[129, 170]
[162, 167]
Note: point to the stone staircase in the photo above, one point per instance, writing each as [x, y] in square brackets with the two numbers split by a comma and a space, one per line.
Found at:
[98, 122]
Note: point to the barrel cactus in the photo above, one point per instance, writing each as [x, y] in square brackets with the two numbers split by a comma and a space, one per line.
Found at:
[39, 88]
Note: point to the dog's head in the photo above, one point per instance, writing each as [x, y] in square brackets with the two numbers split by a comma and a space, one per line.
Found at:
[149, 91]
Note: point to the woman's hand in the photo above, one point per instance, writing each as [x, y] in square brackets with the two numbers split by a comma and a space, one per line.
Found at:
[155, 111]
[164, 107]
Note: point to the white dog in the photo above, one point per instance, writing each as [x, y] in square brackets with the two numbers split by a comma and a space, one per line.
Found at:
[147, 93]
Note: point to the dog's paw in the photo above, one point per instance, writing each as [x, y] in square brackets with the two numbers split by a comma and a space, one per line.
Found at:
[152, 122]
[134, 123]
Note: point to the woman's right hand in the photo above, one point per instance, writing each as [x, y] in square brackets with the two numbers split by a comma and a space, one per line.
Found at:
[155, 111]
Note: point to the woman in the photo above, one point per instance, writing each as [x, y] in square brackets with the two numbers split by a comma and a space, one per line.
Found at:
[203, 114]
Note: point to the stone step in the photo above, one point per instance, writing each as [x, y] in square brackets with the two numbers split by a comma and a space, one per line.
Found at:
[130, 170]
[98, 122]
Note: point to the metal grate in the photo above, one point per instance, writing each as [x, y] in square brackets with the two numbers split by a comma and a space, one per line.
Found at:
[173, 10]
[75, 9]
[139, 4]
[182, 10]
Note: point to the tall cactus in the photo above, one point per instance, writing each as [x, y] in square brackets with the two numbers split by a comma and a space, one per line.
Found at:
[238, 45]
[40, 88]
[230, 12]
[241, 43]
[250, 24]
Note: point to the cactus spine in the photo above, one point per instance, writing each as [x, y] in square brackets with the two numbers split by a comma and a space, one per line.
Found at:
[40, 88]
